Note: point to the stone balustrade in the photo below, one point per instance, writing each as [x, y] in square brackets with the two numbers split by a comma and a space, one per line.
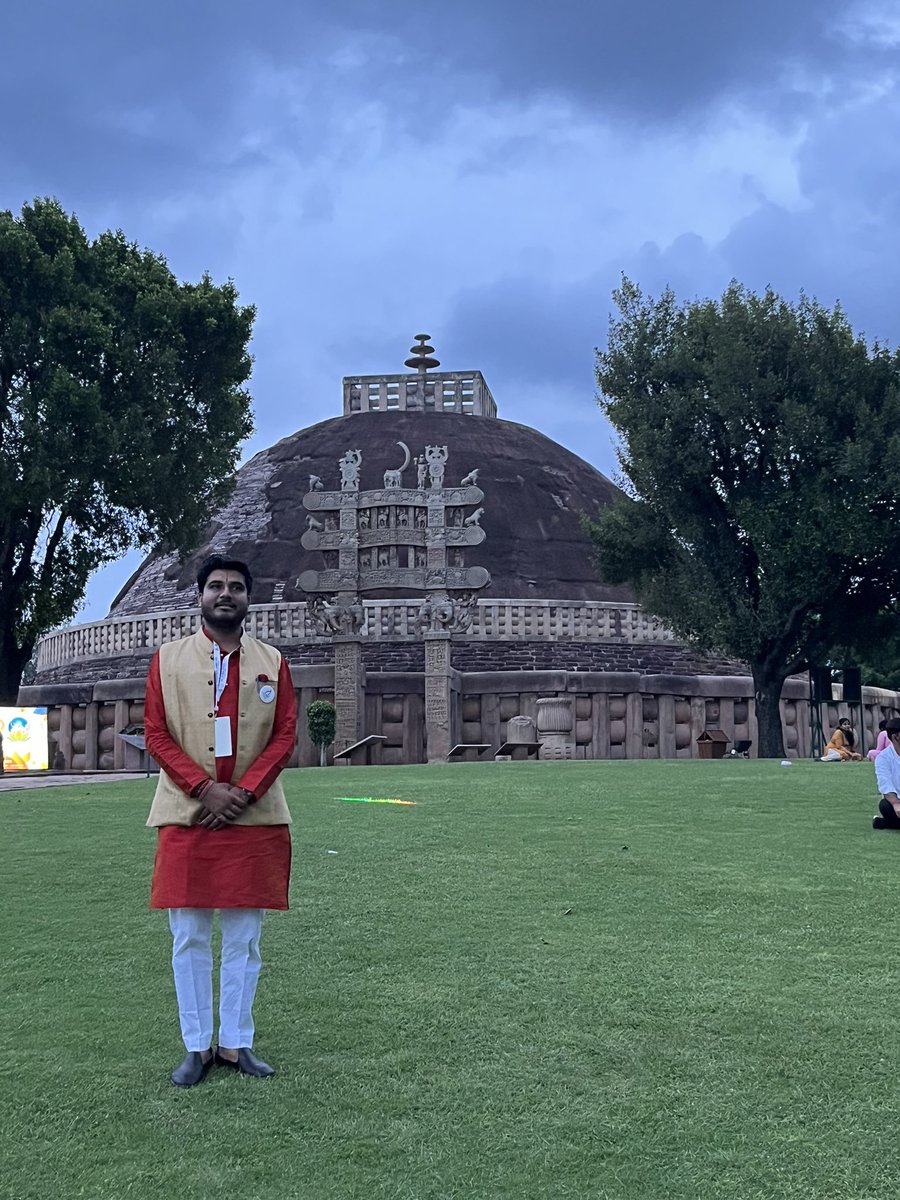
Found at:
[386, 621]
[438, 391]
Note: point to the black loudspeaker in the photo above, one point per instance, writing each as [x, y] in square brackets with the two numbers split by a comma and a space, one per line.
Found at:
[852, 677]
[820, 679]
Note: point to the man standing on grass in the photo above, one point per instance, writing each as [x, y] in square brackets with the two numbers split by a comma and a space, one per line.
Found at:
[221, 720]
[887, 775]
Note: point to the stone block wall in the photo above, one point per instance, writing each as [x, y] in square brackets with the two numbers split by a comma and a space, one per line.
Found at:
[617, 715]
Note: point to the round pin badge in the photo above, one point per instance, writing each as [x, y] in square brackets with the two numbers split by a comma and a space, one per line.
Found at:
[267, 693]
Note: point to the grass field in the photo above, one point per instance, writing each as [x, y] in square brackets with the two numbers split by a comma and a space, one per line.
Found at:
[620, 980]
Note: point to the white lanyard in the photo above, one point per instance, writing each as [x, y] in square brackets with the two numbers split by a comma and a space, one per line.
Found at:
[220, 670]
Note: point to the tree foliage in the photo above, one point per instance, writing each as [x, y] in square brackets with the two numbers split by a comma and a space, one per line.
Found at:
[122, 409]
[874, 648]
[760, 444]
[321, 716]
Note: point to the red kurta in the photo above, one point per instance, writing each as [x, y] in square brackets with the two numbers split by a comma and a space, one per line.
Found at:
[240, 866]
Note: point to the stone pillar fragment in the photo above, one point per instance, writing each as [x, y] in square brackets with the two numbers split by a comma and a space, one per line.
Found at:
[520, 729]
[555, 727]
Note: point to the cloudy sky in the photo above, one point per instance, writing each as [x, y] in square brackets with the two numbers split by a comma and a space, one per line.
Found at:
[483, 170]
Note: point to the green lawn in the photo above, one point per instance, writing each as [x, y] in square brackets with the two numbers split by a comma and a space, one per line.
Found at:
[626, 980]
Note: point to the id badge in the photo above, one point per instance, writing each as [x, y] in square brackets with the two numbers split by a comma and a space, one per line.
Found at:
[223, 737]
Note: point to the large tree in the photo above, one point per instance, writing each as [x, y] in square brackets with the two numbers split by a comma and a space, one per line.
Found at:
[122, 408]
[760, 446]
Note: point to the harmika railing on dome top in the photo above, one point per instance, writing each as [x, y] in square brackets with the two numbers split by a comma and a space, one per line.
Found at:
[386, 620]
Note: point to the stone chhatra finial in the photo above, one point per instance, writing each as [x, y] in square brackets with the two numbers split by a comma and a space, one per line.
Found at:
[422, 355]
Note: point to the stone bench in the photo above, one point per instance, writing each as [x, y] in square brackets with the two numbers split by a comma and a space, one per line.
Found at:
[362, 753]
[468, 752]
[518, 750]
[137, 741]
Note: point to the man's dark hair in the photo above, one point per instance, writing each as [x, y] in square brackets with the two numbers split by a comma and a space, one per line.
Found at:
[218, 562]
[892, 726]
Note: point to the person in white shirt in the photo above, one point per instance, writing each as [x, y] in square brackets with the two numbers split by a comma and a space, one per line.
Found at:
[887, 773]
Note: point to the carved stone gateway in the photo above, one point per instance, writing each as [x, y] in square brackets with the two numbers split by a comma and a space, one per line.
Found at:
[394, 538]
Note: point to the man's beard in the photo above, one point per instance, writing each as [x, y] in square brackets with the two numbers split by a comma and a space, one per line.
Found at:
[227, 619]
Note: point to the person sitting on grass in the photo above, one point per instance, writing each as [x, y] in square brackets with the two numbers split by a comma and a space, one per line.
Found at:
[887, 773]
[883, 740]
[839, 747]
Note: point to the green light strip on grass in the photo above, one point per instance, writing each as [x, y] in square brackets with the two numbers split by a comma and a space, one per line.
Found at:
[372, 800]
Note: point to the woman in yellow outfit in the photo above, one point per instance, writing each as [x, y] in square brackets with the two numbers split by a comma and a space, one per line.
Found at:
[839, 747]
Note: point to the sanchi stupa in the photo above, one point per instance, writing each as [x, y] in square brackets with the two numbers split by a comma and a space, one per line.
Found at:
[422, 563]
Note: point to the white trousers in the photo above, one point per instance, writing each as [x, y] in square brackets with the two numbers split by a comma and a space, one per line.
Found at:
[192, 966]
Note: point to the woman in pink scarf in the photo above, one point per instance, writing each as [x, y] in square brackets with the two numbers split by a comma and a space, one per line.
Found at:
[883, 740]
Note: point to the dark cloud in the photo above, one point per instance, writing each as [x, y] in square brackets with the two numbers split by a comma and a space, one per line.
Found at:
[135, 97]
[102, 92]
[836, 243]
[648, 58]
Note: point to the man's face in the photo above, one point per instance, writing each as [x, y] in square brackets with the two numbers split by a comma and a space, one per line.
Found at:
[224, 600]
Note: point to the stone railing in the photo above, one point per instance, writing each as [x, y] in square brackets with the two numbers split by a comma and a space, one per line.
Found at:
[437, 391]
[386, 621]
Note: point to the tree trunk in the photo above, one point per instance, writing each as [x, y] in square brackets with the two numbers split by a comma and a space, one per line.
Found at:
[321, 754]
[13, 660]
[767, 693]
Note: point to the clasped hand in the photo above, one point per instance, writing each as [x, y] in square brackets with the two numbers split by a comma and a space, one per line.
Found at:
[221, 803]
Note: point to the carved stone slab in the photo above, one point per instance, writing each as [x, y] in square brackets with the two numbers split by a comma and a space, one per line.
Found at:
[335, 539]
[315, 500]
[327, 581]
[468, 535]
[453, 496]
[328, 539]
[417, 578]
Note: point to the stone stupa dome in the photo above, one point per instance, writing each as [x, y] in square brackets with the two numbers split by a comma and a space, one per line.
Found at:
[535, 493]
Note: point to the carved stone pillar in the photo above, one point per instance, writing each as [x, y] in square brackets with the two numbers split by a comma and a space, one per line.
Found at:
[348, 691]
[437, 695]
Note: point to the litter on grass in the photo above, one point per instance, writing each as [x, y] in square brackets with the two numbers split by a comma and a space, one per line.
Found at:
[372, 800]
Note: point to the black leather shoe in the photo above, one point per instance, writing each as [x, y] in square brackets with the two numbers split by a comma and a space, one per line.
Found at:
[247, 1063]
[192, 1069]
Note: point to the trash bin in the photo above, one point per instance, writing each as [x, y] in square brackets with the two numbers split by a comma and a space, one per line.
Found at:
[712, 743]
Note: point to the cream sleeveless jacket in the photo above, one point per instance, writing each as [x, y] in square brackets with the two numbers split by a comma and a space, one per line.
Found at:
[186, 673]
